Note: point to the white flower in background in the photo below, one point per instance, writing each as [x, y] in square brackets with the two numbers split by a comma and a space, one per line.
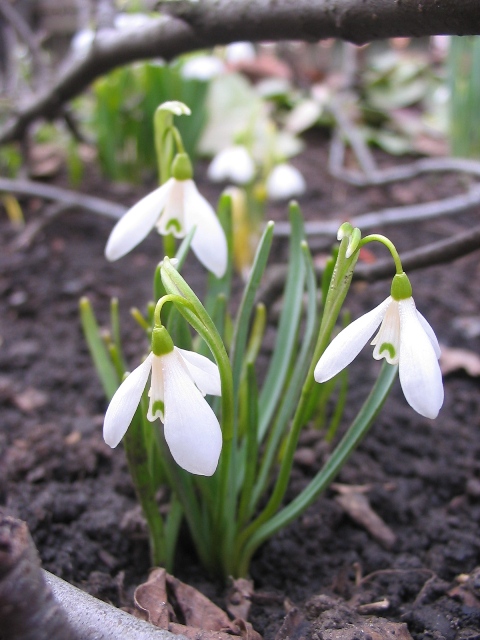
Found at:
[179, 379]
[202, 68]
[233, 163]
[240, 52]
[405, 338]
[175, 207]
[285, 181]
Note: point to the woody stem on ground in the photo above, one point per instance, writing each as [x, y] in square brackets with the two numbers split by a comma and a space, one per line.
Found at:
[28, 610]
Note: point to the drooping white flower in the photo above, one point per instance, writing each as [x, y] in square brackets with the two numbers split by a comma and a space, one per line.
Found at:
[233, 163]
[202, 68]
[175, 207]
[405, 338]
[285, 181]
[179, 379]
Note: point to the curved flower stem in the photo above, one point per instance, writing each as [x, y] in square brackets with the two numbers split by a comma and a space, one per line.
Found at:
[376, 237]
[169, 297]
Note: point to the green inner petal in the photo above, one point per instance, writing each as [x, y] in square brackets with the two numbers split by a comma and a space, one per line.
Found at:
[158, 405]
[388, 346]
[174, 225]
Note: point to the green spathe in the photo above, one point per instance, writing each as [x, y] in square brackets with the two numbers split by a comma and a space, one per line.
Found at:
[161, 341]
[401, 287]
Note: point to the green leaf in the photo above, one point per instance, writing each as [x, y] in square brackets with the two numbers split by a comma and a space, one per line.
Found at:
[98, 351]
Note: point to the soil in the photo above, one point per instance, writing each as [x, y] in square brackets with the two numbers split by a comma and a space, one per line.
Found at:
[421, 477]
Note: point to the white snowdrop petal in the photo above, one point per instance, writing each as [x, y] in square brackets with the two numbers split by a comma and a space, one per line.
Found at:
[172, 219]
[430, 333]
[349, 342]
[192, 430]
[209, 242]
[233, 163]
[124, 403]
[387, 340]
[419, 371]
[137, 223]
[156, 406]
[285, 181]
[204, 372]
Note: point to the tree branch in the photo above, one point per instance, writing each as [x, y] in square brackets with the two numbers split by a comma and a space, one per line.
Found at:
[195, 25]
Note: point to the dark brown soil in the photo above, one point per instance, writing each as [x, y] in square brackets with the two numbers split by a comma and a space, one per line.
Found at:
[74, 492]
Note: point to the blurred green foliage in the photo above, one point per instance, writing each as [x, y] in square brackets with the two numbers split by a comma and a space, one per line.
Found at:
[464, 81]
[122, 116]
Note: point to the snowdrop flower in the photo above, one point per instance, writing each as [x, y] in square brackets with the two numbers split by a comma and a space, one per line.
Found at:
[179, 379]
[405, 338]
[233, 163]
[202, 68]
[237, 52]
[175, 207]
[285, 181]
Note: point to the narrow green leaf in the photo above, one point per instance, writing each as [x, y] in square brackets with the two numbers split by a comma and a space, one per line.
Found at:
[98, 351]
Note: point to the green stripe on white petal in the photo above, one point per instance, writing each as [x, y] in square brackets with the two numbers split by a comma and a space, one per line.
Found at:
[124, 403]
[192, 430]
[387, 340]
[136, 224]
[419, 371]
[204, 372]
[209, 242]
[172, 219]
[156, 406]
[430, 333]
[349, 342]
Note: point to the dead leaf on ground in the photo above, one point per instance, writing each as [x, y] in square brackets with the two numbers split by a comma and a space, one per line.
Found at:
[195, 608]
[163, 599]
[151, 599]
[357, 506]
[455, 359]
[239, 598]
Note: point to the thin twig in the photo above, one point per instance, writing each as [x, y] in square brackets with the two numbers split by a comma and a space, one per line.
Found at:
[432, 254]
[63, 196]
[14, 18]
[198, 25]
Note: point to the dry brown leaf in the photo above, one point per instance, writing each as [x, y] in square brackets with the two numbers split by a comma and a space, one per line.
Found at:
[196, 609]
[455, 359]
[358, 508]
[193, 633]
[239, 598]
[151, 599]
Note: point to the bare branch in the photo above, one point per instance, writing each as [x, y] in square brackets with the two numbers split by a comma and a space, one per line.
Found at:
[24, 33]
[196, 25]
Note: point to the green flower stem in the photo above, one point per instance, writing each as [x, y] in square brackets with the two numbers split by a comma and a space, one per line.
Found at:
[376, 237]
[341, 278]
[324, 477]
[199, 319]
[137, 459]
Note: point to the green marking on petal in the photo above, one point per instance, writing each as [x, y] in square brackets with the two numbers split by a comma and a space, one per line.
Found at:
[158, 406]
[174, 225]
[388, 346]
